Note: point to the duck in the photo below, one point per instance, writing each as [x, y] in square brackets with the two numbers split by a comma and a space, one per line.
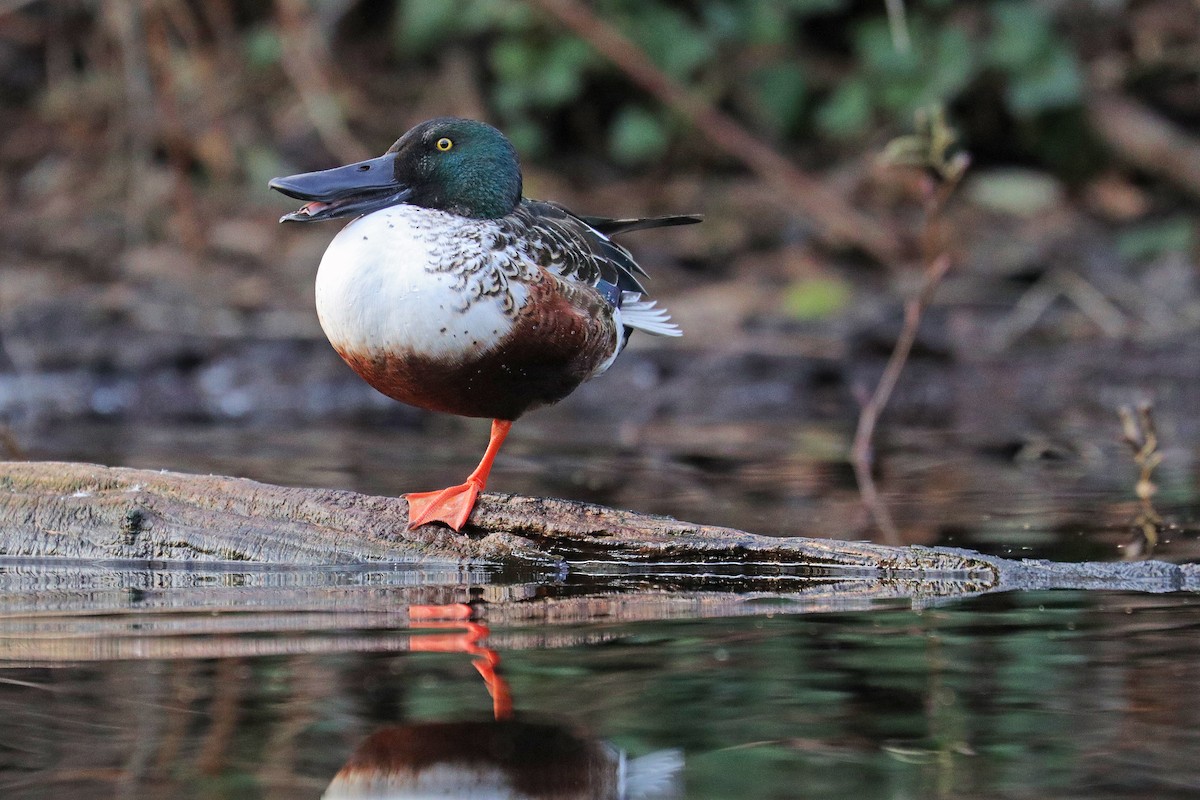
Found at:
[450, 291]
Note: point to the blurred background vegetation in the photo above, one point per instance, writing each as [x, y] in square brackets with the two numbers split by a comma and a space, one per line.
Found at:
[142, 275]
[232, 91]
[134, 121]
[138, 106]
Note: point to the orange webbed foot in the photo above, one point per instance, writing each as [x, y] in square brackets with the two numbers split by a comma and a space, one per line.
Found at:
[451, 505]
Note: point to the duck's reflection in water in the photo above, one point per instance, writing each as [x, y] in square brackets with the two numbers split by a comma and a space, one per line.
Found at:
[500, 759]
[505, 758]
[470, 638]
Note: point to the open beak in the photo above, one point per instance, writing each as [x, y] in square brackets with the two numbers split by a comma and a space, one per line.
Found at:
[352, 190]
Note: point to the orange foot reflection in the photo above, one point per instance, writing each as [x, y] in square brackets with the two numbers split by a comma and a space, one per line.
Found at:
[458, 615]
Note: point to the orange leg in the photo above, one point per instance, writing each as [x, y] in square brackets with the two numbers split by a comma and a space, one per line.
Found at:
[453, 505]
[487, 660]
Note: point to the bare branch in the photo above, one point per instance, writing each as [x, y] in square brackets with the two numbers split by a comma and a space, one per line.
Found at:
[1146, 140]
[861, 451]
[931, 147]
[1140, 433]
[835, 220]
[308, 66]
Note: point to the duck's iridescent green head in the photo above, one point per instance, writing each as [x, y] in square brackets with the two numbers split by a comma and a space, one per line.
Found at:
[457, 165]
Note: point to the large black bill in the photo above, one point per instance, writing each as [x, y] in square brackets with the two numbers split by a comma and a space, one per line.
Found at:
[352, 190]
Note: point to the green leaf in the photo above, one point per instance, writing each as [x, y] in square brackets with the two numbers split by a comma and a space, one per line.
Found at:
[780, 93]
[513, 60]
[525, 135]
[953, 66]
[507, 15]
[765, 23]
[263, 47]
[939, 64]
[806, 8]
[902, 97]
[1018, 192]
[675, 43]
[636, 136]
[1173, 235]
[511, 98]
[847, 112]
[816, 298]
[1054, 82]
[877, 52]
[422, 24]
[531, 73]
[1021, 33]
[559, 76]
[723, 21]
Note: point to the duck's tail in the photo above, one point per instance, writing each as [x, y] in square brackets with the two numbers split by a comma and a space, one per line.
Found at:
[611, 227]
[645, 315]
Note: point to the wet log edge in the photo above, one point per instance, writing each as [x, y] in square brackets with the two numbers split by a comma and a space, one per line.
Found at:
[88, 511]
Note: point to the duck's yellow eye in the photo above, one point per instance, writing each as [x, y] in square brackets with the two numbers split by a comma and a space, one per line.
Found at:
[444, 144]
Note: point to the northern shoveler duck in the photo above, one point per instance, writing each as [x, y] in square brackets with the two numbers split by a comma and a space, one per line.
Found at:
[450, 291]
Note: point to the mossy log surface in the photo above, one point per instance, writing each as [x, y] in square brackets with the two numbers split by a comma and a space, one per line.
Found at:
[84, 511]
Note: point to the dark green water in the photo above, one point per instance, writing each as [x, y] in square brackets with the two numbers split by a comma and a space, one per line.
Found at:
[132, 681]
[234, 685]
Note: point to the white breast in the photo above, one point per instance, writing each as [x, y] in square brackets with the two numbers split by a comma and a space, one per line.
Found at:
[377, 294]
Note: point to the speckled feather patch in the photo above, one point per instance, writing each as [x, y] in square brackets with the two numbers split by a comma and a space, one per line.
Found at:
[483, 256]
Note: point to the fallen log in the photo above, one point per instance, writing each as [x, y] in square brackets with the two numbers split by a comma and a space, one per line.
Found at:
[85, 511]
[96, 513]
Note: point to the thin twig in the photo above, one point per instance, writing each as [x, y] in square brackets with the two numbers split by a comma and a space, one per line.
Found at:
[835, 220]
[860, 452]
[128, 21]
[932, 148]
[1146, 139]
[224, 709]
[1092, 302]
[897, 16]
[1140, 433]
[1038, 299]
[188, 217]
[308, 66]
[1028, 309]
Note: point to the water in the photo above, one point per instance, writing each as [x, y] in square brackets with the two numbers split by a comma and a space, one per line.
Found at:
[122, 681]
[133, 680]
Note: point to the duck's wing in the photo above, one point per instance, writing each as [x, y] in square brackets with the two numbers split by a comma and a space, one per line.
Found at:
[587, 240]
[580, 250]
